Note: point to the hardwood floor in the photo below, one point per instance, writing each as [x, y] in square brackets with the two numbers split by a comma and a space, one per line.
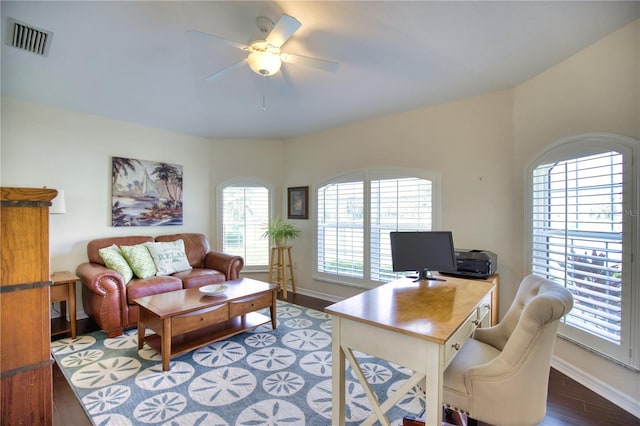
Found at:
[568, 403]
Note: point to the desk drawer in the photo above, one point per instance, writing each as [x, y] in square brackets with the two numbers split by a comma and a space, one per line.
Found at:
[484, 311]
[455, 343]
[199, 319]
[250, 304]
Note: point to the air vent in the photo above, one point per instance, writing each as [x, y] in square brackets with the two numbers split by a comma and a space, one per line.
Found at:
[29, 38]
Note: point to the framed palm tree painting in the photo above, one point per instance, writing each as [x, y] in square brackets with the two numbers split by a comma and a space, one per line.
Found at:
[145, 193]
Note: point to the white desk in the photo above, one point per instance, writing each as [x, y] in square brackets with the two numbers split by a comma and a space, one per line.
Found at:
[420, 326]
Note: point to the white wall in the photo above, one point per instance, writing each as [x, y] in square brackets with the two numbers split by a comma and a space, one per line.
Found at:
[60, 149]
[260, 159]
[596, 90]
[51, 147]
[468, 143]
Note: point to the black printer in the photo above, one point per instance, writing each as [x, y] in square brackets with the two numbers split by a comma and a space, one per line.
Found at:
[474, 264]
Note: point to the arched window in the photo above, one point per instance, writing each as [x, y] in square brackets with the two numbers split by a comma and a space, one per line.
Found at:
[355, 214]
[244, 211]
[583, 221]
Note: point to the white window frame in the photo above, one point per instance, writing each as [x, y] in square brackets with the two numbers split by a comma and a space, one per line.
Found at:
[367, 175]
[627, 353]
[244, 181]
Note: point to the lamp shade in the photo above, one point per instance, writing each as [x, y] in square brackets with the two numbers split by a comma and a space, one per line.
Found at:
[264, 63]
[58, 205]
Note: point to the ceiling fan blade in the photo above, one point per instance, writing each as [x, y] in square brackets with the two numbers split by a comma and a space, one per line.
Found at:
[225, 71]
[206, 36]
[283, 30]
[310, 62]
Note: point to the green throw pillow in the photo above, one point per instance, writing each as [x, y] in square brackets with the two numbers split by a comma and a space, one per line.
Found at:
[113, 259]
[140, 260]
[169, 257]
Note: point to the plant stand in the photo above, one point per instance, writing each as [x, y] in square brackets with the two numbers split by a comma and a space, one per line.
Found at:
[281, 269]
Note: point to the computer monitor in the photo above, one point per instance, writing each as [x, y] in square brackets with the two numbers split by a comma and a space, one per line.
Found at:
[422, 252]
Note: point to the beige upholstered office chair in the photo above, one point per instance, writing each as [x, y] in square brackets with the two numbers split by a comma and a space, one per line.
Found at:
[501, 375]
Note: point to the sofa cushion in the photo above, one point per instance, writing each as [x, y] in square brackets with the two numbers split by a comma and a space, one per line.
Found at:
[197, 277]
[150, 286]
[94, 245]
[140, 260]
[113, 259]
[196, 245]
[169, 257]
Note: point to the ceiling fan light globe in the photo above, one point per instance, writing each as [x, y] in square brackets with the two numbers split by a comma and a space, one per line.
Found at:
[264, 63]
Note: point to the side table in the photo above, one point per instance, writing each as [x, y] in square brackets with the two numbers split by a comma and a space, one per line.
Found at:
[63, 290]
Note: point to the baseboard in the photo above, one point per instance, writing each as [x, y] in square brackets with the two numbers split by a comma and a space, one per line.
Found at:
[318, 295]
[604, 390]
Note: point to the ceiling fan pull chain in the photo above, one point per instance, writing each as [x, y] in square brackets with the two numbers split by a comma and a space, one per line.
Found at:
[264, 90]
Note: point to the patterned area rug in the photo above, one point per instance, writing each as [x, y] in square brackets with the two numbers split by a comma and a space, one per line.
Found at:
[258, 378]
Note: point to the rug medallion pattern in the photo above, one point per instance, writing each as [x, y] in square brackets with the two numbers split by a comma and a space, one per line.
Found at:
[257, 378]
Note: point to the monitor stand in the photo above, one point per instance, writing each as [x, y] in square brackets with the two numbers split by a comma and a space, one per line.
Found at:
[426, 275]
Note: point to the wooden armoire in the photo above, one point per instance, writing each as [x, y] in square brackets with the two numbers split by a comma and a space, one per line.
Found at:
[25, 335]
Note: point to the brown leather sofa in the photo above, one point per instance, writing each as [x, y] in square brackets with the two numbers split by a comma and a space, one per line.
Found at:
[108, 300]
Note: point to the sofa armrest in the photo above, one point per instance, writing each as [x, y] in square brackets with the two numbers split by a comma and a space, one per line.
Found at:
[100, 279]
[104, 295]
[229, 265]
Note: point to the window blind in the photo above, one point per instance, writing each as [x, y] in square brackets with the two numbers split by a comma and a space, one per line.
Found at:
[577, 237]
[341, 229]
[400, 204]
[355, 218]
[244, 218]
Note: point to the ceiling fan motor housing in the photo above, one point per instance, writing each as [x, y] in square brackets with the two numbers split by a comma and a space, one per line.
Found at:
[264, 58]
[264, 63]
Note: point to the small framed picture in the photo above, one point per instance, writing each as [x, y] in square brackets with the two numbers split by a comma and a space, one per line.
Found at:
[298, 202]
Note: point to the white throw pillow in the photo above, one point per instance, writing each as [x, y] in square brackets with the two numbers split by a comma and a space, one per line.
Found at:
[169, 257]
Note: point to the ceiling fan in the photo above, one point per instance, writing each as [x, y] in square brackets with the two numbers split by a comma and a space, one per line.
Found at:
[265, 56]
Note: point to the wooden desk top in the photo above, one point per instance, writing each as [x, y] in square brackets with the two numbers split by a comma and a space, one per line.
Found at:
[183, 301]
[429, 310]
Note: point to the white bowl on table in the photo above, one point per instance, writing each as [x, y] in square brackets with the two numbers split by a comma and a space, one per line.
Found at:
[213, 289]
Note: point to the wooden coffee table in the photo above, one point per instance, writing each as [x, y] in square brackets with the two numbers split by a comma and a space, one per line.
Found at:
[184, 320]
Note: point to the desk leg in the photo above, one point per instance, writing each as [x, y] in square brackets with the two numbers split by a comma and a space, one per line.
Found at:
[434, 383]
[338, 378]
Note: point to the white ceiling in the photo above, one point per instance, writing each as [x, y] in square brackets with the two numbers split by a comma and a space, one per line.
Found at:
[133, 61]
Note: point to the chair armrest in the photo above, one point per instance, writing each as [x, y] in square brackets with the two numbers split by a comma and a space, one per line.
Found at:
[229, 265]
[495, 336]
[491, 370]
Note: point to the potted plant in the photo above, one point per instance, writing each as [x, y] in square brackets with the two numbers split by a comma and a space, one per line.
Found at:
[280, 232]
